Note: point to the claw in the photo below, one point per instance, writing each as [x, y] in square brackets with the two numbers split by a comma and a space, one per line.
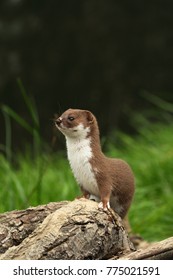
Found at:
[102, 207]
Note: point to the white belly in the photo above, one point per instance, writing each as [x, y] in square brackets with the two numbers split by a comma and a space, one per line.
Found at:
[79, 155]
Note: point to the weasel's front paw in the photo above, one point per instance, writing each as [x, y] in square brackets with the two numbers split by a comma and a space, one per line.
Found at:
[105, 207]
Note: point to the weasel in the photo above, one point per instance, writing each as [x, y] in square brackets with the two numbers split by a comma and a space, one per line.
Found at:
[108, 180]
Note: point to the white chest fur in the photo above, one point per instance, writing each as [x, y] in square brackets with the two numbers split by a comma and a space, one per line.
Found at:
[79, 154]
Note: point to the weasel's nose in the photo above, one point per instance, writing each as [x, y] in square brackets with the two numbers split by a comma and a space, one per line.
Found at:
[58, 121]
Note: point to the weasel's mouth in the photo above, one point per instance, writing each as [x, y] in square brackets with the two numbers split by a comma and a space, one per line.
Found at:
[57, 124]
[61, 127]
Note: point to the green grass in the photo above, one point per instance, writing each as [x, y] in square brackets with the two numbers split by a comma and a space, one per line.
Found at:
[38, 178]
[151, 156]
[35, 181]
[48, 177]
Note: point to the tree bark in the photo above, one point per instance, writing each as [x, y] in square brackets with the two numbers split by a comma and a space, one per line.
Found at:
[162, 250]
[15, 226]
[69, 230]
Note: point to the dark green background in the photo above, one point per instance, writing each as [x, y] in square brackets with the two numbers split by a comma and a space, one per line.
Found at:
[98, 55]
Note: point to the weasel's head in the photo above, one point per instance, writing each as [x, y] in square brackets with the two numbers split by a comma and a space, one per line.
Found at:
[75, 123]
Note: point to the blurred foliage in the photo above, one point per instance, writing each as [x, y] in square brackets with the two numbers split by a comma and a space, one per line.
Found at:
[33, 181]
[111, 57]
[85, 54]
[33, 129]
[151, 155]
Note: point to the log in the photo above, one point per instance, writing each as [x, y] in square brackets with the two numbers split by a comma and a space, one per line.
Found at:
[66, 230]
[162, 250]
[73, 230]
[15, 226]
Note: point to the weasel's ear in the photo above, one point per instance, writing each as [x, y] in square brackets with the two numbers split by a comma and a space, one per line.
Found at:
[90, 117]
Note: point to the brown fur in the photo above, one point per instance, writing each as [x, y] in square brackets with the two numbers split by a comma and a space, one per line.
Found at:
[114, 176]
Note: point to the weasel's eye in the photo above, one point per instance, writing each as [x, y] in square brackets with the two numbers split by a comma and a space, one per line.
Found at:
[71, 118]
